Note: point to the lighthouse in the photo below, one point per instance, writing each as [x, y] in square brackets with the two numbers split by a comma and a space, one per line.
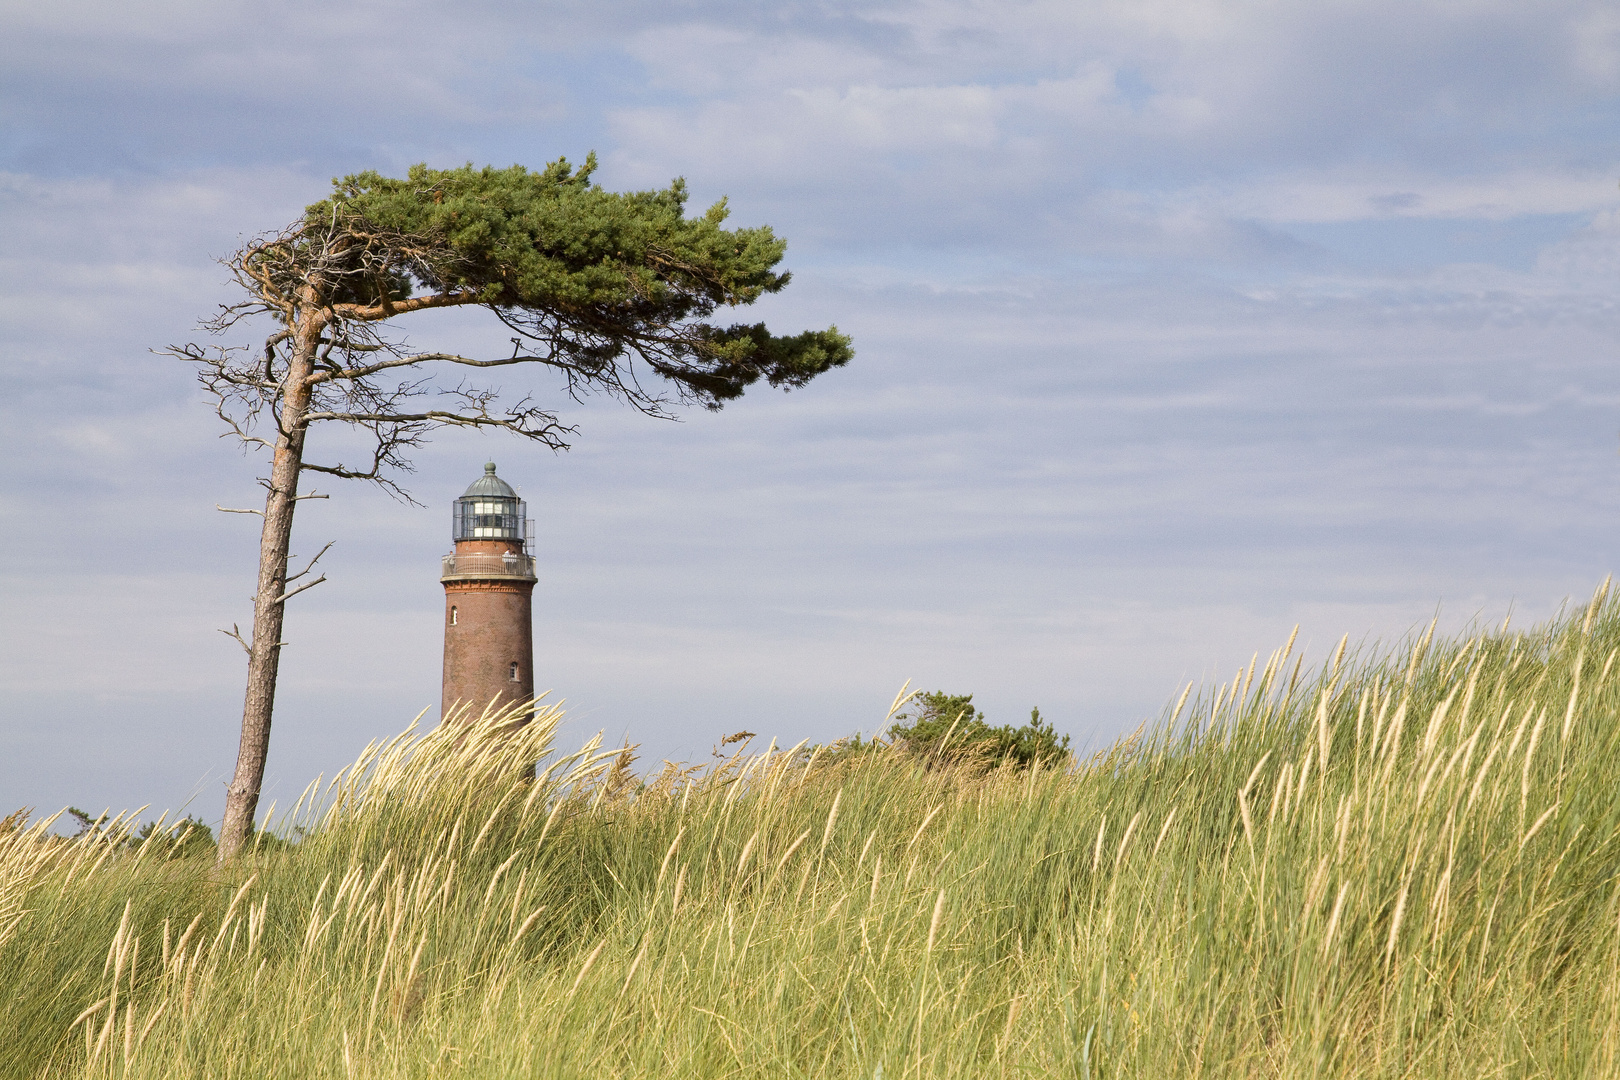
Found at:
[488, 594]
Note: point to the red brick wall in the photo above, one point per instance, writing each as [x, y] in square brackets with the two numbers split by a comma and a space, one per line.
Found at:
[492, 630]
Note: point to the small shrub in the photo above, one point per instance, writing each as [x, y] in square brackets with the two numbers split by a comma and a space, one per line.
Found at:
[179, 839]
[946, 727]
[187, 837]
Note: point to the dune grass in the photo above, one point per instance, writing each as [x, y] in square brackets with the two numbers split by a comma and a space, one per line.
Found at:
[1404, 864]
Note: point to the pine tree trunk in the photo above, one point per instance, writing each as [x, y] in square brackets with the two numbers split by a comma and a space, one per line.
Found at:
[264, 653]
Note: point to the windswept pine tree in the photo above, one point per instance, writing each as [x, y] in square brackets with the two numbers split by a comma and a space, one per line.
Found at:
[608, 293]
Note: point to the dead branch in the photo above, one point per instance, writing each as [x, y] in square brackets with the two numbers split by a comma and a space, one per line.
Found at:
[424, 358]
[290, 593]
[236, 632]
[374, 312]
[311, 564]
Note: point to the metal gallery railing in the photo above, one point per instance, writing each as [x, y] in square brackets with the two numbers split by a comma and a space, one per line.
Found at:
[485, 565]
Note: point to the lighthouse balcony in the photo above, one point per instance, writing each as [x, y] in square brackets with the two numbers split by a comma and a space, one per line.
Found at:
[470, 565]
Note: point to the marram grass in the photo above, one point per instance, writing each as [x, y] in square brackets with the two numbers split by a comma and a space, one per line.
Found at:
[1402, 865]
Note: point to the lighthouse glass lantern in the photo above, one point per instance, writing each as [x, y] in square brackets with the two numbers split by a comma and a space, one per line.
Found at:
[489, 510]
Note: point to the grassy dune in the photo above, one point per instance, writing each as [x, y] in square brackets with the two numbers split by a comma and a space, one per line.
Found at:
[1404, 864]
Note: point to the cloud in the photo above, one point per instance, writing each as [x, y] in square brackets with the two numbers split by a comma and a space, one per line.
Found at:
[1182, 111]
[1587, 260]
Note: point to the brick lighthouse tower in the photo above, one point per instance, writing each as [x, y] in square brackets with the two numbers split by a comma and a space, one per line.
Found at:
[488, 588]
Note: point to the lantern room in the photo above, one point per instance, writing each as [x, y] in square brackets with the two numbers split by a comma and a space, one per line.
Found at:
[489, 510]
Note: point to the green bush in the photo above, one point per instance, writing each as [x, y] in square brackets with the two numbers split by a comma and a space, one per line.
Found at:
[946, 727]
[188, 836]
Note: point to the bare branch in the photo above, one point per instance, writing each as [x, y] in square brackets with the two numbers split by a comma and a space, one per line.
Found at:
[270, 353]
[311, 564]
[373, 312]
[290, 593]
[350, 345]
[236, 632]
[435, 415]
[340, 470]
[234, 510]
[363, 371]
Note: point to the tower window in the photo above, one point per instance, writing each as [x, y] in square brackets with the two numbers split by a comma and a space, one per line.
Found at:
[514, 673]
[452, 615]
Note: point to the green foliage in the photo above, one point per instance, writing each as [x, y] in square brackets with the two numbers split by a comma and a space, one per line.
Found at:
[271, 843]
[946, 727]
[188, 837]
[177, 839]
[85, 822]
[592, 274]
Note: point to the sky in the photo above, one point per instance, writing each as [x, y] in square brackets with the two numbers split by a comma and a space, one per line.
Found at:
[1178, 323]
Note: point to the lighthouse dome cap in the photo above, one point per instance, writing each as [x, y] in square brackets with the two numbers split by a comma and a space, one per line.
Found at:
[489, 485]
